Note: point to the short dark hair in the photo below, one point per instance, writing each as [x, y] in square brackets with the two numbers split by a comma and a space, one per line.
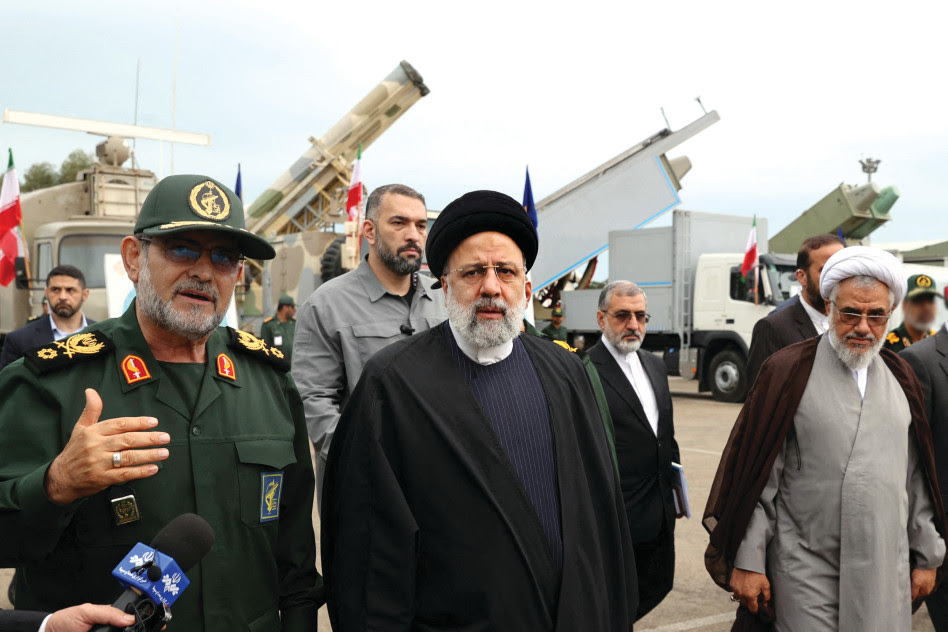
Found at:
[375, 198]
[815, 243]
[69, 271]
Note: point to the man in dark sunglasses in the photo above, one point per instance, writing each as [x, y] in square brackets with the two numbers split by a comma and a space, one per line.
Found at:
[175, 414]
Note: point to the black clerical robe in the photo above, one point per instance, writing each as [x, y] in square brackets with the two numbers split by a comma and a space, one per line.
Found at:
[426, 525]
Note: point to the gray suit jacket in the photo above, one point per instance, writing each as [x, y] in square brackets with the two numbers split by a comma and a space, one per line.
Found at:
[929, 359]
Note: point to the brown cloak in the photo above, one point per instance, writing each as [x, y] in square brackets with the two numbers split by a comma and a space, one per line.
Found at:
[757, 437]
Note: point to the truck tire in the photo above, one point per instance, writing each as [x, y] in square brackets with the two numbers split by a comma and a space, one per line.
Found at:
[331, 262]
[728, 376]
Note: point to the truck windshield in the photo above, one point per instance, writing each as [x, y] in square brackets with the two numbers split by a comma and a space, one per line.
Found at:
[87, 252]
[783, 281]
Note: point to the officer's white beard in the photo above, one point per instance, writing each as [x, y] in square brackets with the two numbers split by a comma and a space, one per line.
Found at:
[485, 333]
[624, 345]
[192, 323]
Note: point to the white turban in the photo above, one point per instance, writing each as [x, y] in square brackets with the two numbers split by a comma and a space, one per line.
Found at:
[863, 261]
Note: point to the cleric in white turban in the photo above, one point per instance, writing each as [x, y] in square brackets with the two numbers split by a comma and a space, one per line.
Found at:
[863, 261]
[825, 511]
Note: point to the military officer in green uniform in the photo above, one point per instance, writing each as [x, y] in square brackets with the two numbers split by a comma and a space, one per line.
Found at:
[918, 314]
[111, 433]
[555, 329]
[277, 331]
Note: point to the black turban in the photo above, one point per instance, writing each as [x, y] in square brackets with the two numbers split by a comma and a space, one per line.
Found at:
[479, 212]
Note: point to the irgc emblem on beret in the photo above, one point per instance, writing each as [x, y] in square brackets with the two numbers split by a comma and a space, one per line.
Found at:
[923, 281]
[207, 200]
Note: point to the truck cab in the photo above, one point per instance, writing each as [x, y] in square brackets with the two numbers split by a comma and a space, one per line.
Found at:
[726, 308]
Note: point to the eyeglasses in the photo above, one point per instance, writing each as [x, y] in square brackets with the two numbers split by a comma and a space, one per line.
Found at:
[475, 274]
[182, 251]
[624, 317]
[851, 317]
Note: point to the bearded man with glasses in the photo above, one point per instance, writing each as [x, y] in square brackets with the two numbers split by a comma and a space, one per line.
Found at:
[470, 483]
[825, 513]
[636, 386]
[176, 414]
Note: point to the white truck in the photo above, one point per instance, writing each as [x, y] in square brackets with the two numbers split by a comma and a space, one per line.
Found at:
[702, 311]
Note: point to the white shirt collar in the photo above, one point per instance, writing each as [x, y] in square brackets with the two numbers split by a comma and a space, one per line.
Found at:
[820, 321]
[485, 355]
[58, 334]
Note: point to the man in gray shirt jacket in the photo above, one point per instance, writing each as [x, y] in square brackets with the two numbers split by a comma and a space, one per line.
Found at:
[345, 321]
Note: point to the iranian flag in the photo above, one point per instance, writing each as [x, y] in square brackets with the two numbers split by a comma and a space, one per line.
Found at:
[354, 202]
[11, 243]
[750, 253]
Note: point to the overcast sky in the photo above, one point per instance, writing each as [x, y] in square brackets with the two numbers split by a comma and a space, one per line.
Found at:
[804, 90]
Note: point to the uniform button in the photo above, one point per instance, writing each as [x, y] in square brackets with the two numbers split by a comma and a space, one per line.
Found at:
[659, 444]
[196, 431]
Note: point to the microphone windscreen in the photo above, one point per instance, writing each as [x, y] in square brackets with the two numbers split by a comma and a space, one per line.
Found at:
[187, 539]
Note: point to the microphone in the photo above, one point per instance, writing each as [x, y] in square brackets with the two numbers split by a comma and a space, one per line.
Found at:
[406, 329]
[154, 577]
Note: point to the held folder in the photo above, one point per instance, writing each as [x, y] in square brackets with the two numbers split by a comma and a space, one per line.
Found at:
[680, 492]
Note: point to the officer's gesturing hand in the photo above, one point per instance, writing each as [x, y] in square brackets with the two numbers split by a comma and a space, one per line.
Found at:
[102, 454]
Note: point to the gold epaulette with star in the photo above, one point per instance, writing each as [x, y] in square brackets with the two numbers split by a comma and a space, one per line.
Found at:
[251, 345]
[68, 351]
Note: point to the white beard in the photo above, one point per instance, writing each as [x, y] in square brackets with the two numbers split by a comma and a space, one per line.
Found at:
[485, 333]
[624, 346]
[855, 360]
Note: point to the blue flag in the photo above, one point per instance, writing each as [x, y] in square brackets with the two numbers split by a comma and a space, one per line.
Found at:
[528, 200]
[239, 187]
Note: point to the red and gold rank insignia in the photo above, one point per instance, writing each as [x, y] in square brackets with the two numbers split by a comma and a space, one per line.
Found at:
[225, 367]
[134, 369]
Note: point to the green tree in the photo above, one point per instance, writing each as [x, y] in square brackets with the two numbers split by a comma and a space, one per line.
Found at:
[39, 176]
[73, 164]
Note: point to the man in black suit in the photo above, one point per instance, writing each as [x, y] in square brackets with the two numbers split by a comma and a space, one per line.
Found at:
[636, 387]
[66, 291]
[804, 315]
[929, 359]
[75, 619]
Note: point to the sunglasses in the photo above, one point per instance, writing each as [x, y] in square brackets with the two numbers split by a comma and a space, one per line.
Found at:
[183, 251]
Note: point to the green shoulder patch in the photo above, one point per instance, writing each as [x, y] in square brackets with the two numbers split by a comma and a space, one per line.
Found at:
[68, 351]
[248, 343]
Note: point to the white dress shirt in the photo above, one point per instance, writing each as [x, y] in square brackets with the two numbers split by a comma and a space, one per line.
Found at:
[820, 321]
[632, 367]
[485, 356]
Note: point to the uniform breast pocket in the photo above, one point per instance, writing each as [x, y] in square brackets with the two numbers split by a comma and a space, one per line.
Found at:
[373, 337]
[260, 476]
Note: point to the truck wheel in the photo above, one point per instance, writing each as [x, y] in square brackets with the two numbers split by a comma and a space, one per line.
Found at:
[331, 263]
[728, 375]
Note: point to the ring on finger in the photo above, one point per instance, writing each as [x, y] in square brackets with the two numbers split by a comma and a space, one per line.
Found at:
[116, 459]
[734, 598]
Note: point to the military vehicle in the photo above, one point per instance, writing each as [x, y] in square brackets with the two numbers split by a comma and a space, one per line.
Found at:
[303, 212]
[80, 223]
[77, 223]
